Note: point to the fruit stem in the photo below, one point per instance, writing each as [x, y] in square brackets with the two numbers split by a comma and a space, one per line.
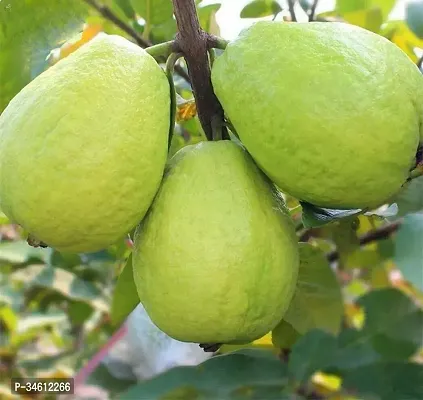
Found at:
[210, 347]
[216, 42]
[161, 50]
[170, 65]
[312, 13]
[291, 5]
[212, 57]
[194, 44]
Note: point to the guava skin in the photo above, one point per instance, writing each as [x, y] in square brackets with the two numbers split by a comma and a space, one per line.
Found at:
[83, 146]
[332, 113]
[216, 258]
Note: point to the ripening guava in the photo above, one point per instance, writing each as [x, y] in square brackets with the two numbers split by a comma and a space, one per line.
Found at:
[84, 145]
[332, 113]
[216, 258]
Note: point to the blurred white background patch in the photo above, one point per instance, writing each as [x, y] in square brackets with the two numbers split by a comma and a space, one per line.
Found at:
[145, 351]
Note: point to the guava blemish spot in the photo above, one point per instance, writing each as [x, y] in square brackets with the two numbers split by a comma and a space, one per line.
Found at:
[419, 154]
[34, 242]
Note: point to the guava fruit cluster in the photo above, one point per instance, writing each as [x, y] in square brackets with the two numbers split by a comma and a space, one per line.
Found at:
[328, 113]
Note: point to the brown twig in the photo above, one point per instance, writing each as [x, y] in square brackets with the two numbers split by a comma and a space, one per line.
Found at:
[312, 13]
[291, 4]
[108, 14]
[78, 334]
[380, 233]
[193, 42]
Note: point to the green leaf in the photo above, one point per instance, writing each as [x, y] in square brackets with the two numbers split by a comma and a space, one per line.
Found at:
[207, 17]
[314, 216]
[238, 375]
[47, 363]
[370, 19]
[344, 234]
[313, 352]
[393, 323]
[317, 301]
[364, 258]
[126, 7]
[410, 199]
[409, 249]
[354, 350]
[153, 11]
[392, 332]
[3, 218]
[30, 327]
[346, 6]
[399, 33]
[321, 351]
[40, 320]
[64, 260]
[79, 312]
[414, 17]
[163, 32]
[102, 378]
[11, 296]
[343, 6]
[29, 30]
[260, 8]
[125, 296]
[61, 281]
[9, 318]
[21, 252]
[284, 335]
[385, 5]
[386, 380]
[386, 248]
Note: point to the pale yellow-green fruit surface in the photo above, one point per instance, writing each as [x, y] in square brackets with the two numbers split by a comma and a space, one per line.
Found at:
[331, 112]
[216, 258]
[83, 146]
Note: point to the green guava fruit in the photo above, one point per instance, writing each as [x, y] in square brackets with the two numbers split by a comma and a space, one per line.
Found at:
[216, 258]
[332, 113]
[83, 146]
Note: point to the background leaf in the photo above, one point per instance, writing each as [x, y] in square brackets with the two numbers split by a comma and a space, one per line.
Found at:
[260, 8]
[370, 19]
[346, 6]
[393, 323]
[29, 29]
[63, 282]
[125, 296]
[317, 301]
[20, 252]
[311, 353]
[153, 11]
[207, 17]
[387, 381]
[410, 199]
[399, 33]
[409, 249]
[241, 374]
[314, 216]
[414, 17]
